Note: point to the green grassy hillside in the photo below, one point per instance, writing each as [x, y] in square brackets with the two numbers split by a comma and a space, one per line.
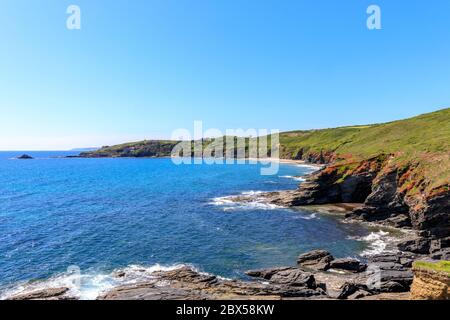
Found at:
[425, 133]
[428, 133]
[420, 146]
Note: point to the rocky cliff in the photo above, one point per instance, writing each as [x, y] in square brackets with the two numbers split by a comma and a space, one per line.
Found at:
[430, 282]
[392, 192]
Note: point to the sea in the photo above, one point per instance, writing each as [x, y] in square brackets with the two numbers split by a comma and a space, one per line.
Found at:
[74, 221]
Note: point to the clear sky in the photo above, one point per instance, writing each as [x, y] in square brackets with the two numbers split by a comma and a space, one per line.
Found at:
[143, 68]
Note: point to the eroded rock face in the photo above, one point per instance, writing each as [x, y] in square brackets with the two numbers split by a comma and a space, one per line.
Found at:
[443, 254]
[430, 285]
[418, 245]
[391, 272]
[286, 276]
[320, 188]
[349, 264]
[315, 260]
[433, 215]
[382, 187]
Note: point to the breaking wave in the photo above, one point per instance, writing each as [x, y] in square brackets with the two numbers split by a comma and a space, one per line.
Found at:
[310, 166]
[301, 179]
[378, 242]
[89, 286]
[307, 216]
[252, 201]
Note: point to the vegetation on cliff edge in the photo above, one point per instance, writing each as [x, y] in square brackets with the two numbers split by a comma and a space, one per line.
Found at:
[442, 266]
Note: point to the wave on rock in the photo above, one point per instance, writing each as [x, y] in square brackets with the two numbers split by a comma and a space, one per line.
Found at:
[378, 242]
[301, 179]
[252, 201]
[89, 286]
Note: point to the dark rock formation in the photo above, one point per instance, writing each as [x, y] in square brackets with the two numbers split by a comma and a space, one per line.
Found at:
[25, 157]
[315, 260]
[418, 245]
[386, 273]
[388, 193]
[432, 215]
[283, 283]
[443, 254]
[349, 264]
[347, 290]
[188, 284]
[286, 276]
[391, 272]
[359, 294]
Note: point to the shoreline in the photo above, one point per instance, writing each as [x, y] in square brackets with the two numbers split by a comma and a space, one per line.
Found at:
[268, 160]
[311, 278]
[161, 281]
[182, 282]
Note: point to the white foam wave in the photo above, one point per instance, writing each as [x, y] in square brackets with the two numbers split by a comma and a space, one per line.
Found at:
[378, 242]
[301, 179]
[307, 216]
[251, 193]
[84, 286]
[90, 285]
[310, 166]
[232, 203]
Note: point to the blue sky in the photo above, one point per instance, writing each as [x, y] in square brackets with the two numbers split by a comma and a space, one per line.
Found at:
[143, 68]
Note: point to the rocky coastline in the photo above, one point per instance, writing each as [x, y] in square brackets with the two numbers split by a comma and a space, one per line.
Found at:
[377, 190]
[367, 194]
[374, 191]
[394, 174]
[317, 274]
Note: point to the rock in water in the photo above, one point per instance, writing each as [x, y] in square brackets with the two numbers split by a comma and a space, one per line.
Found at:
[25, 157]
[315, 260]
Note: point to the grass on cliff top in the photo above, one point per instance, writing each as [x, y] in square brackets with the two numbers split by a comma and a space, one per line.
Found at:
[427, 133]
[441, 266]
[423, 140]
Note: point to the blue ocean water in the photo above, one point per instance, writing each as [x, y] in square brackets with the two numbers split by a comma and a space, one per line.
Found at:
[105, 214]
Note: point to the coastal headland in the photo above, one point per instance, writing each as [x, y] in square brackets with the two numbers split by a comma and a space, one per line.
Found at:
[395, 174]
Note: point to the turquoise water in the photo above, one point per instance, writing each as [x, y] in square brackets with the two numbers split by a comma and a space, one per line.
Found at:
[105, 214]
